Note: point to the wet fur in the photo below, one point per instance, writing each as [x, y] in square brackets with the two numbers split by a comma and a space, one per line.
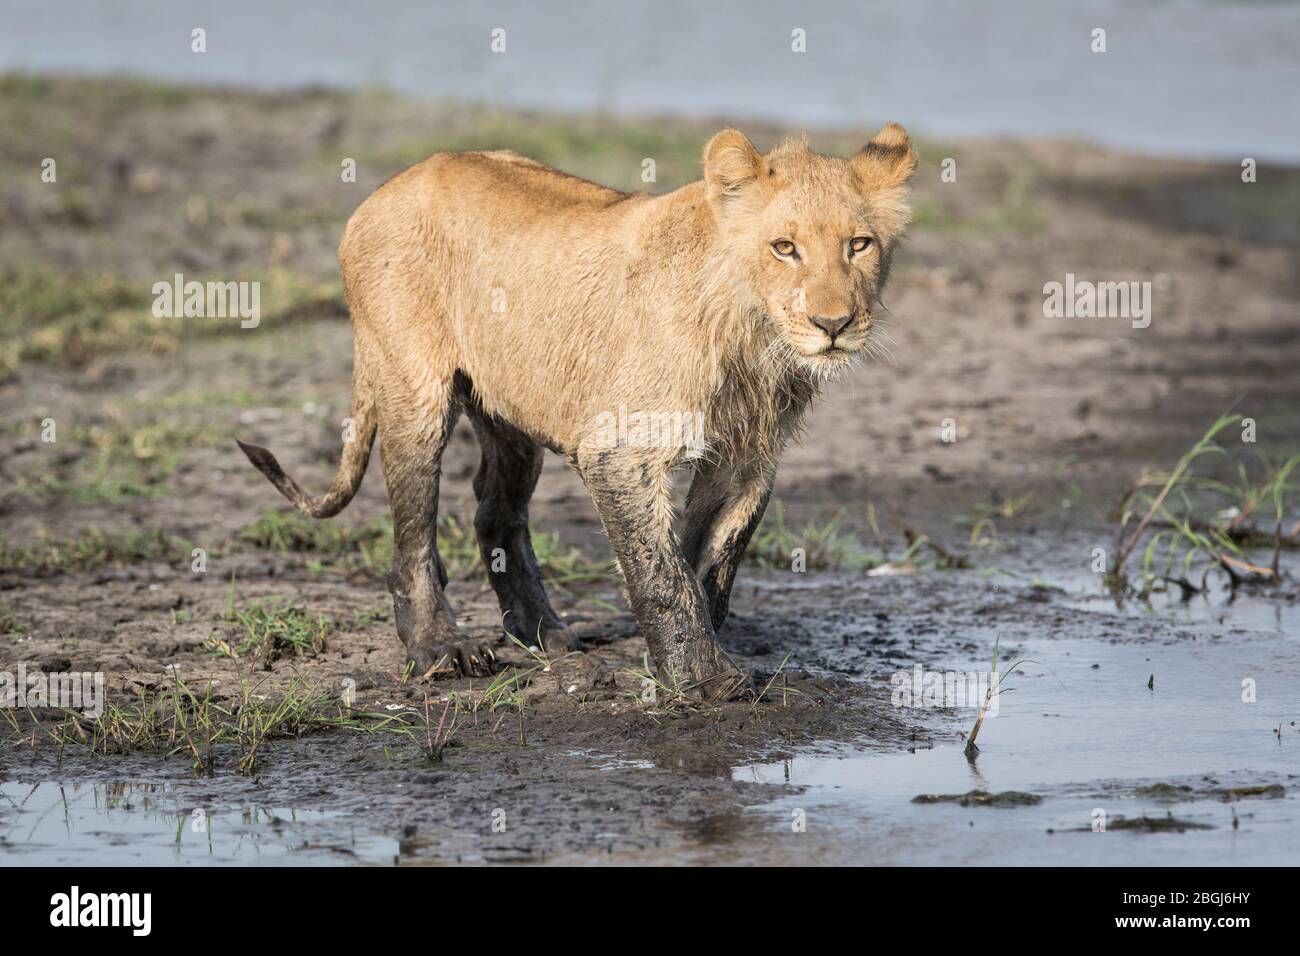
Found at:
[536, 303]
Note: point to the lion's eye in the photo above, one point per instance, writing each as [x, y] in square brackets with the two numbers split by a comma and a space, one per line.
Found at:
[783, 248]
[859, 243]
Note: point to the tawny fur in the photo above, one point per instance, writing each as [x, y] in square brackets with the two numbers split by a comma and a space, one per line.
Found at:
[547, 304]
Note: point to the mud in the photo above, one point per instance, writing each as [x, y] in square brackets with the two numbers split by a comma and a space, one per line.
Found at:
[1054, 418]
[621, 782]
[1163, 824]
[981, 798]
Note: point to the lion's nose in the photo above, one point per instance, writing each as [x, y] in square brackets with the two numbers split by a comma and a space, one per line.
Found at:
[831, 327]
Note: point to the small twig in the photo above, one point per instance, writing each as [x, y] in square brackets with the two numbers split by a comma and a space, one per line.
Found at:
[1227, 559]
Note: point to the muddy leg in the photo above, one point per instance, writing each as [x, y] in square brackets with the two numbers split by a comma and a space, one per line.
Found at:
[631, 496]
[411, 448]
[511, 464]
[723, 508]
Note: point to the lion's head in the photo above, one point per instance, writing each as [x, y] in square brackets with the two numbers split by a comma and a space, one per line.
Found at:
[811, 236]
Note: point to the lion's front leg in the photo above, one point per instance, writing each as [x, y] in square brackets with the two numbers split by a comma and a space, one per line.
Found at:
[630, 492]
[723, 509]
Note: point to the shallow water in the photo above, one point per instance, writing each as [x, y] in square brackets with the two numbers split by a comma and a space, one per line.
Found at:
[1083, 731]
[135, 824]
[1219, 605]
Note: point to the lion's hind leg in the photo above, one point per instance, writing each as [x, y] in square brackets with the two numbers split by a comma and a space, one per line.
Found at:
[412, 438]
[507, 475]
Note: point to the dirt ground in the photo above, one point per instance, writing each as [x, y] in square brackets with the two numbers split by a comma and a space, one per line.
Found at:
[1054, 418]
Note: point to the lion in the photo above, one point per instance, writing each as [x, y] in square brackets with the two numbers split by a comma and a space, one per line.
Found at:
[560, 314]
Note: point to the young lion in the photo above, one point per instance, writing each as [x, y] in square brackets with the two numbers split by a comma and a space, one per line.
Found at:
[555, 312]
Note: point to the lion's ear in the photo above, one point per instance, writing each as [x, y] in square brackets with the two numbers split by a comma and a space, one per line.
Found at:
[888, 160]
[731, 164]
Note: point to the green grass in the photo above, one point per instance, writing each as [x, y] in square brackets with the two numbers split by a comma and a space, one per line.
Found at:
[268, 630]
[200, 727]
[124, 449]
[1015, 210]
[96, 549]
[997, 680]
[118, 460]
[331, 545]
[9, 623]
[563, 564]
[64, 319]
[828, 546]
[825, 546]
[69, 319]
[126, 92]
[290, 532]
[92, 485]
[202, 400]
[326, 546]
[1191, 520]
[369, 547]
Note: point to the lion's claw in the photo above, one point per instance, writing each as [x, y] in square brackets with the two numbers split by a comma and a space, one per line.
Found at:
[453, 658]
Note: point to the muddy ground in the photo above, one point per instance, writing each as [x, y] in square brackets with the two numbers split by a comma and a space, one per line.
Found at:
[1054, 418]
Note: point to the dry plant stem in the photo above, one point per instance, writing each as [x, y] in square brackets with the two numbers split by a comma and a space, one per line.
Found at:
[1229, 560]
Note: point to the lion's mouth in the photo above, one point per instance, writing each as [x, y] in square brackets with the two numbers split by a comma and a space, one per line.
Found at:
[837, 350]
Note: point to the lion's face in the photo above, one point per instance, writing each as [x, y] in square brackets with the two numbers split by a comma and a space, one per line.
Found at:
[812, 235]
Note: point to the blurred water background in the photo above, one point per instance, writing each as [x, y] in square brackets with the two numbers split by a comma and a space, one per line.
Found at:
[1197, 78]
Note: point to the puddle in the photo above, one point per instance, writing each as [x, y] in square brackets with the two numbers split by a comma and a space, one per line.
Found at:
[1085, 748]
[1219, 606]
[142, 824]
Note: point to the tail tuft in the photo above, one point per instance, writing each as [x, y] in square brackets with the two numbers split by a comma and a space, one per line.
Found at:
[265, 462]
[262, 459]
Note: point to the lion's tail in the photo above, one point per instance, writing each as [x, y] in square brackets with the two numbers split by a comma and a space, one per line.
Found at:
[352, 468]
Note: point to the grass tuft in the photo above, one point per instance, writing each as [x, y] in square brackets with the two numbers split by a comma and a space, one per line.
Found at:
[179, 721]
[1190, 520]
[823, 545]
